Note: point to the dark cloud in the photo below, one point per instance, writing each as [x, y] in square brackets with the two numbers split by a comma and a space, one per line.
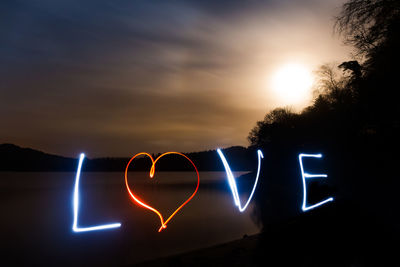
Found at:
[113, 77]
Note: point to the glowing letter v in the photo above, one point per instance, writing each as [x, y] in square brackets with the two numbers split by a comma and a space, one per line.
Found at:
[75, 227]
[232, 182]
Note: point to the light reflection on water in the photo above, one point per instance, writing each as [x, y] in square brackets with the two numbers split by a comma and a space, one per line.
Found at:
[39, 216]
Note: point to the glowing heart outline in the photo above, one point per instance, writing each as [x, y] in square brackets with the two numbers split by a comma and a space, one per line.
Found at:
[232, 182]
[152, 171]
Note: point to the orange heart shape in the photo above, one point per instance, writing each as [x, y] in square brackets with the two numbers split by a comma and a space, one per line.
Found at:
[152, 170]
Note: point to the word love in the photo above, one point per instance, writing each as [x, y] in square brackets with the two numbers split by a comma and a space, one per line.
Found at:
[231, 180]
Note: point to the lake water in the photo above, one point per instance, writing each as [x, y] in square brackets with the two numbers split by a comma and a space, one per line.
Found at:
[37, 217]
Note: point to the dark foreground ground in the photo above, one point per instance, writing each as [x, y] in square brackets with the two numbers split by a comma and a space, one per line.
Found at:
[333, 235]
[236, 253]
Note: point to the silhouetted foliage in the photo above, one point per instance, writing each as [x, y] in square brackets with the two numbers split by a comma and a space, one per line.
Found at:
[265, 130]
[367, 24]
[354, 122]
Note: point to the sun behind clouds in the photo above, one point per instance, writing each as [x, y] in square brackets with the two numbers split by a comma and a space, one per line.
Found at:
[292, 84]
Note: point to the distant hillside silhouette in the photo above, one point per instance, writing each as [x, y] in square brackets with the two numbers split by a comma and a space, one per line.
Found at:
[15, 158]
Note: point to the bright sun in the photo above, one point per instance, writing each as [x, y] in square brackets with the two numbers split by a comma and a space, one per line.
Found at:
[292, 83]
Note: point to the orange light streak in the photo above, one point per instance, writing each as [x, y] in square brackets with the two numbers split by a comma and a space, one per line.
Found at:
[152, 171]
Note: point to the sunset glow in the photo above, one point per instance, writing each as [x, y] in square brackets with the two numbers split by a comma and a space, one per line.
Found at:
[292, 83]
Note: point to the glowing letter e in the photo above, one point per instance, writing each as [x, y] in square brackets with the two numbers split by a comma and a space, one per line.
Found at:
[305, 176]
[75, 227]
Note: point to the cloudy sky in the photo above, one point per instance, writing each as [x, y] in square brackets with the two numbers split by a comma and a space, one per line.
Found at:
[113, 78]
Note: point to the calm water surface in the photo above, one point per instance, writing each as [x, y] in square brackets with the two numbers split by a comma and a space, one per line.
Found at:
[37, 217]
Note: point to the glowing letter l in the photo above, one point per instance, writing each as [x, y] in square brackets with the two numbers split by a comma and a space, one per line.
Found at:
[75, 227]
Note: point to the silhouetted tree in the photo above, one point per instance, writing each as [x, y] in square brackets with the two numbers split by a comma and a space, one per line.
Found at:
[354, 120]
[265, 131]
[366, 24]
